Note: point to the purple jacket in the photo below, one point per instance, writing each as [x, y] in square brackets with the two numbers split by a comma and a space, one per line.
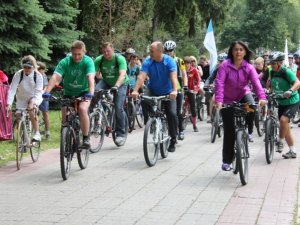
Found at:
[231, 85]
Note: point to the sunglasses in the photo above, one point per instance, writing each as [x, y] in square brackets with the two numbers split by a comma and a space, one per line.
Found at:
[187, 62]
[193, 61]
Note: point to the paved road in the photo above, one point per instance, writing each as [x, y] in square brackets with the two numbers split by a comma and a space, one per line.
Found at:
[118, 188]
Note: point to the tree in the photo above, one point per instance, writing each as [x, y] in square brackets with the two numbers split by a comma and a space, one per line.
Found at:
[21, 25]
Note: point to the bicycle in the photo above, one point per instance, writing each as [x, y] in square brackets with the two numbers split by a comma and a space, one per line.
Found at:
[100, 120]
[24, 134]
[260, 118]
[70, 137]
[186, 112]
[216, 125]
[241, 150]
[271, 126]
[156, 134]
[200, 106]
[130, 110]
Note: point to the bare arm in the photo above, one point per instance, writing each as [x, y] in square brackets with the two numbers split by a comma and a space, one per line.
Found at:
[184, 77]
[91, 80]
[122, 74]
[54, 80]
[173, 77]
[296, 85]
[140, 81]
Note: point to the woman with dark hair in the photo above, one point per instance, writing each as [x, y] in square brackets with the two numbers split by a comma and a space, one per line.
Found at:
[231, 85]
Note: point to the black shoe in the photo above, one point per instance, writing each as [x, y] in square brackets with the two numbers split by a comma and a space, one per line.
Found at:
[86, 143]
[172, 147]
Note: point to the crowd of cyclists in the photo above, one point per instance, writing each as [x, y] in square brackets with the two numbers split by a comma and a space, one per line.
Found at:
[238, 77]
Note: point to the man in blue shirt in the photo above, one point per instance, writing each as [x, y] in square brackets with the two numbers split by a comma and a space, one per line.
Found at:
[162, 73]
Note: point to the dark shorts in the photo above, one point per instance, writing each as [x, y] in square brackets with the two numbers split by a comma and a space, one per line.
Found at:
[44, 106]
[288, 110]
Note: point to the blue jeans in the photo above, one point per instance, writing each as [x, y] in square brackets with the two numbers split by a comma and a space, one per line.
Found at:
[119, 106]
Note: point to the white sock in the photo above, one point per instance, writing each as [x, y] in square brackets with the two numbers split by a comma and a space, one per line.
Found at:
[280, 139]
[292, 148]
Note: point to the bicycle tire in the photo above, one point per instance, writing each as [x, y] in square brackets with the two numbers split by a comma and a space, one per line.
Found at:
[66, 152]
[242, 155]
[296, 118]
[20, 143]
[270, 138]
[202, 114]
[235, 168]
[35, 150]
[257, 123]
[165, 138]
[186, 115]
[139, 115]
[131, 114]
[214, 126]
[83, 155]
[114, 129]
[97, 131]
[151, 140]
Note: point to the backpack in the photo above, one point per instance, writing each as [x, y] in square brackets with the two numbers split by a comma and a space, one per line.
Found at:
[22, 75]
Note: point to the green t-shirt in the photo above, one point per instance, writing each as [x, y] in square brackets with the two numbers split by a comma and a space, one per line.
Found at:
[75, 74]
[281, 85]
[110, 68]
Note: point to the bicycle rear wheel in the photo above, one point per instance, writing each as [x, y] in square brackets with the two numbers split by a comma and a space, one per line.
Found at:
[97, 129]
[66, 144]
[165, 138]
[131, 114]
[242, 155]
[114, 129]
[139, 115]
[20, 143]
[235, 168]
[151, 142]
[270, 139]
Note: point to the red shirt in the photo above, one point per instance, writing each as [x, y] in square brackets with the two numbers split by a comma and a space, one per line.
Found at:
[3, 77]
[298, 72]
[193, 79]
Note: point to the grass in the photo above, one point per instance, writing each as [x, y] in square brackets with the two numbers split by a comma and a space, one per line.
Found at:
[8, 148]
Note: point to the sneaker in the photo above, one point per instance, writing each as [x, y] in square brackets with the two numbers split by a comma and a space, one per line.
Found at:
[86, 143]
[181, 135]
[196, 129]
[226, 167]
[119, 140]
[172, 147]
[250, 137]
[279, 145]
[36, 137]
[208, 120]
[290, 155]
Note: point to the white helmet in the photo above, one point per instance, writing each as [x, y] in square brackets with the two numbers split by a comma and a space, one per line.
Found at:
[130, 51]
[169, 45]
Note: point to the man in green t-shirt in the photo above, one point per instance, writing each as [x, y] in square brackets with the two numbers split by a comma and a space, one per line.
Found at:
[285, 82]
[78, 73]
[111, 70]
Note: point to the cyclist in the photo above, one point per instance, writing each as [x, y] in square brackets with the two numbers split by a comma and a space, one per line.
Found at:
[133, 71]
[169, 49]
[129, 52]
[292, 65]
[193, 88]
[27, 85]
[235, 73]
[112, 68]
[44, 106]
[78, 73]
[162, 72]
[284, 81]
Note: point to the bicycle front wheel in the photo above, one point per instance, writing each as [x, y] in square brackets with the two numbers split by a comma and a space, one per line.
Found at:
[214, 125]
[97, 129]
[242, 155]
[20, 143]
[257, 123]
[66, 152]
[270, 139]
[35, 150]
[151, 142]
[139, 115]
[83, 155]
[131, 114]
[165, 138]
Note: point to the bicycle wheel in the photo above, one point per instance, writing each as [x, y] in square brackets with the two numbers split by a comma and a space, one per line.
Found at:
[83, 155]
[139, 115]
[235, 168]
[242, 155]
[66, 144]
[131, 114]
[257, 123]
[270, 139]
[35, 150]
[214, 125]
[20, 143]
[114, 129]
[186, 115]
[151, 142]
[97, 129]
[165, 138]
[201, 114]
[296, 118]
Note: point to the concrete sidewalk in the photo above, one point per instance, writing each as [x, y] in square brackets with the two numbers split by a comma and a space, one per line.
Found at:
[119, 188]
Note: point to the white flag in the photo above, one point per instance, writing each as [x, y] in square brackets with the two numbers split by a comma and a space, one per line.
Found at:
[210, 45]
[286, 54]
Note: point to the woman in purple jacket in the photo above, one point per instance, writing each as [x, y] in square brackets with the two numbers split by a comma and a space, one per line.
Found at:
[231, 85]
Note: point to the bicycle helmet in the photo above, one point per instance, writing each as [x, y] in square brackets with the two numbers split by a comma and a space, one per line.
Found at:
[130, 51]
[296, 55]
[277, 56]
[222, 56]
[169, 45]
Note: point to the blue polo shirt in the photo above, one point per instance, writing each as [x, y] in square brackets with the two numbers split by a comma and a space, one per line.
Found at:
[159, 74]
